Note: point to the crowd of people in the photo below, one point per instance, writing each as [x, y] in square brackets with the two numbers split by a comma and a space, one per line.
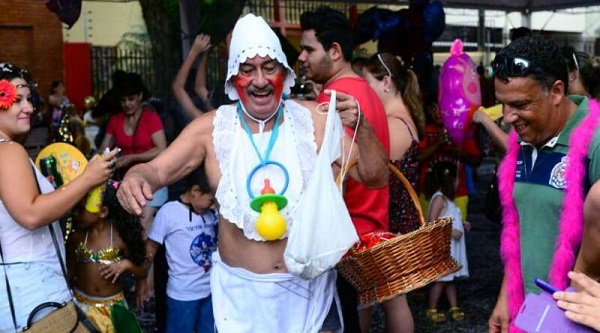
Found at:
[223, 272]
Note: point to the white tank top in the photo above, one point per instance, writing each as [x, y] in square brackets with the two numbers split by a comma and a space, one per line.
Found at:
[20, 244]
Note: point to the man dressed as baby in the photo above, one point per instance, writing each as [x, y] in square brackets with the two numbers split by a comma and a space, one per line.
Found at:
[260, 139]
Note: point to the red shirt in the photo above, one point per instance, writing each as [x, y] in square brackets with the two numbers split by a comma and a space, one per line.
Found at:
[369, 208]
[141, 140]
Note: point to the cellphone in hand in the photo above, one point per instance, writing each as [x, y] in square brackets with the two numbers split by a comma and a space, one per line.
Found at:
[540, 313]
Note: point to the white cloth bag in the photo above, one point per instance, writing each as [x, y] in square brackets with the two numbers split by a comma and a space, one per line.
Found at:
[322, 231]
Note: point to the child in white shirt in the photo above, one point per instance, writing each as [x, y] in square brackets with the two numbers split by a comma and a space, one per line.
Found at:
[444, 174]
[188, 229]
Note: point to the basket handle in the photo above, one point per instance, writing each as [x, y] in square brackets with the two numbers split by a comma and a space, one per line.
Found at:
[407, 185]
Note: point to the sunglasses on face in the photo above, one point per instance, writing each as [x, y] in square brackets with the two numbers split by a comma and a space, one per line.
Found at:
[519, 67]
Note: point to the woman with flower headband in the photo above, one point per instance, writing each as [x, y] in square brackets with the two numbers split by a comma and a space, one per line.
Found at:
[30, 208]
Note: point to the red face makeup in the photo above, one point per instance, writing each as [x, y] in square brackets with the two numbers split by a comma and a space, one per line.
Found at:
[259, 84]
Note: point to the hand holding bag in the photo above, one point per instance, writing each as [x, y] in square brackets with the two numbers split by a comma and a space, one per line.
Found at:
[322, 231]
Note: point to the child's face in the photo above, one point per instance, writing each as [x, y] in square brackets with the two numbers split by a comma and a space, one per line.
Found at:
[87, 219]
[201, 201]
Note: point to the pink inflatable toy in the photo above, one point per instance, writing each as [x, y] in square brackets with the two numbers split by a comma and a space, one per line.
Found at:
[459, 93]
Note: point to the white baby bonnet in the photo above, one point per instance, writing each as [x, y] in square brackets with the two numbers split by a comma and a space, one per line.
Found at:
[252, 36]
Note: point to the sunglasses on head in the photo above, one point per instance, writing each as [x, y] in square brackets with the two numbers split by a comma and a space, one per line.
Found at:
[515, 66]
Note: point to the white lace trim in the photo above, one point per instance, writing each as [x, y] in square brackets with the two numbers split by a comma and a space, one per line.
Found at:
[295, 148]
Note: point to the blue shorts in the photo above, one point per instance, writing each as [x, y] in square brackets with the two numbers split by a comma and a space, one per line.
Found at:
[190, 316]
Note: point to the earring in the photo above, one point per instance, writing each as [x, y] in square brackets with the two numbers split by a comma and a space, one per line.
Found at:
[386, 90]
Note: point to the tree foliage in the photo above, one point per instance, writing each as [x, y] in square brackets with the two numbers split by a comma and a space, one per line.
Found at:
[162, 21]
[217, 17]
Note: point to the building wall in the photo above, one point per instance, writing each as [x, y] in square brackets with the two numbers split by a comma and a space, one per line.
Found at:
[32, 39]
[104, 23]
[591, 34]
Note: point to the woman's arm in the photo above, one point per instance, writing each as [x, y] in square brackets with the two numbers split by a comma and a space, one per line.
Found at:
[201, 46]
[496, 133]
[107, 142]
[20, 194]
[435, 208]
[200, 82]
[113, 271]
[160, 143]
[456, 234]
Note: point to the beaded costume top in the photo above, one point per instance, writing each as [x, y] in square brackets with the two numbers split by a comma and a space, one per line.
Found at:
[108, 255]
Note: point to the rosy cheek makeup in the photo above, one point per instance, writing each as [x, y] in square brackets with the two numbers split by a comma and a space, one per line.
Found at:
[241, 83]
[277, 83]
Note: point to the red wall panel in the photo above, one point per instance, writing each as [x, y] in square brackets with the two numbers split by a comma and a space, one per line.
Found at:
[78, 72]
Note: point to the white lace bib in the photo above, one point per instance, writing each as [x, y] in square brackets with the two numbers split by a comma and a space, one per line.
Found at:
[295, 148]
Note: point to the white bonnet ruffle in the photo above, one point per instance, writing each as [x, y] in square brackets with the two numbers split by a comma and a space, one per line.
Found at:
[252, 36]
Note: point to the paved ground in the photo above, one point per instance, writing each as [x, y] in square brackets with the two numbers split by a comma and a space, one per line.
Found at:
[477, 295]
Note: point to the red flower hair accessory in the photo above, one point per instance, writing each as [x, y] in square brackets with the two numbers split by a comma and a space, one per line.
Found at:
[8, 94]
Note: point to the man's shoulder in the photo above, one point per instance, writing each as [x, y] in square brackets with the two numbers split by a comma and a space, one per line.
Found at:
[204, 121]
[300, 103]
[347, 82]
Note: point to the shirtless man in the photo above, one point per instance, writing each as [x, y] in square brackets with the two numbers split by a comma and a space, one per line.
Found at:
[251, 288]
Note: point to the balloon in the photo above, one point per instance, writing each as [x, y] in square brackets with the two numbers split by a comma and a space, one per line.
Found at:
[89, 102]
[434, 21]
[375, 23]
[459, 93]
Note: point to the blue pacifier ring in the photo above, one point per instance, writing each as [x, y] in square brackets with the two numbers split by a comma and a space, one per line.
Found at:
[256, 168]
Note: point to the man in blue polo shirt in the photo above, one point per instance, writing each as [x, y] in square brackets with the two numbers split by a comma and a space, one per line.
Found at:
[555, 142]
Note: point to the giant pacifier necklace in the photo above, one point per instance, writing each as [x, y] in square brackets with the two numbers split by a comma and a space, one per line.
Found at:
[270, 224]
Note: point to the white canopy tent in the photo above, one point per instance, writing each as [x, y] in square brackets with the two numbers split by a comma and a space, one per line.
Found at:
[524, 6]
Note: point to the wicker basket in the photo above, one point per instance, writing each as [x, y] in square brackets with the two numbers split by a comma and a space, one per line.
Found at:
[403, 263]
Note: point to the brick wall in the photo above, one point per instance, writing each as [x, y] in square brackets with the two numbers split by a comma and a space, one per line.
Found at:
[31, 38]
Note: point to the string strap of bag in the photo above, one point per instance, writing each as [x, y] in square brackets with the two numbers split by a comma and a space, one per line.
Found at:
[62, 265]
[10, 299]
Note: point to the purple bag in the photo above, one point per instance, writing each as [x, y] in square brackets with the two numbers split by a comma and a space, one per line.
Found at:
[539, 313]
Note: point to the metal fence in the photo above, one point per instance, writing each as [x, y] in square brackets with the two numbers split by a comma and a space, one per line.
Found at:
[106, 60]
[291, 9]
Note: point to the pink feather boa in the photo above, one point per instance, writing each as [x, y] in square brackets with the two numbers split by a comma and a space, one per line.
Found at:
[570, 229]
